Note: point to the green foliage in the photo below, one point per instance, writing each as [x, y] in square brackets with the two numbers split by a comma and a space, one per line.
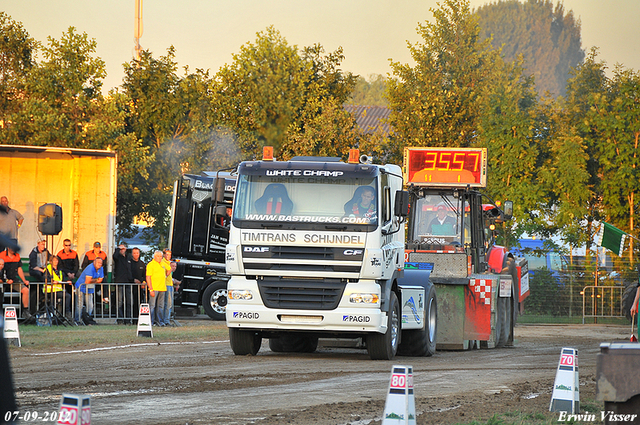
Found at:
[370, 92]
[61, 102]
[172, 118]
[438, 101]
[545, 36]
[17, 50]
[604, 113]
[272, 93]
[544, 287]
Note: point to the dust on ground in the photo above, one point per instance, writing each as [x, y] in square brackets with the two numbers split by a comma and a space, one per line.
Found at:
[205, 383]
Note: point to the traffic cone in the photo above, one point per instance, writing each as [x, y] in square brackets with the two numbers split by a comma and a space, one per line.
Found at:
[400, 407]
[75, 409]
[566, 389]
[11, 332]
[144, 321]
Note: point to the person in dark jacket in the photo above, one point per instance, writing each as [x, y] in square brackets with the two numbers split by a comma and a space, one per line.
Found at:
[69, 262]
[138, 272]
[122, 275]
[38, 259]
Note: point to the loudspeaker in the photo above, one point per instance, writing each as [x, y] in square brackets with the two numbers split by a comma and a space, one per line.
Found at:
[50, 219]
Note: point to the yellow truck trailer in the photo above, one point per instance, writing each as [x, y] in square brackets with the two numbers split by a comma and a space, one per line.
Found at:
[81, 181]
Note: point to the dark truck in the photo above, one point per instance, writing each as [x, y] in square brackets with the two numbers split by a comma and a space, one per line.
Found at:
[198, 235]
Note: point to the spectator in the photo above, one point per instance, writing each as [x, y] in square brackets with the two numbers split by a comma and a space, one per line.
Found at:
[92, 254]
[38, 259]
[55, 281]
[138, 273]
[3, 279]
[10, 220]
[156, 282]
[86, 283]
[122, 275]
[69, 262]
[168, 302]
[13, 272]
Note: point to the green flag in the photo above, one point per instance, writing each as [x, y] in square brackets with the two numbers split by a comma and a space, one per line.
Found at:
[611, 238]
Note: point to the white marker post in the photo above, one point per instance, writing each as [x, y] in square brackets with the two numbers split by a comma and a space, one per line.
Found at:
[144, 321]
[11, 332]
[566, 389]
[75, 409]
[400, 407]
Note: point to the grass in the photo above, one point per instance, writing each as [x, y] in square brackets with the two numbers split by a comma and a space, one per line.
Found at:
[546, 418]
[535, 319]
[71, 337]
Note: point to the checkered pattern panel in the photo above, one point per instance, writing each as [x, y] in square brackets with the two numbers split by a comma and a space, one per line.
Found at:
[482, 287]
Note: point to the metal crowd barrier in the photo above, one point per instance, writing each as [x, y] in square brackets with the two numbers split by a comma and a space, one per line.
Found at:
[602, 301]
[119, 302]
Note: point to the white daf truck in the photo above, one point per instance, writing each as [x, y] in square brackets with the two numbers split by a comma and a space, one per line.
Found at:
[316, 249]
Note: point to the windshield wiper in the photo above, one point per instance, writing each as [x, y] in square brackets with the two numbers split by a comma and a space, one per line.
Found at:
[271, 226]
[329, 227]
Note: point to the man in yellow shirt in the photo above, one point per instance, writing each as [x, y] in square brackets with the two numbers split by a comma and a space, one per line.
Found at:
[156, 283]
[168, 302]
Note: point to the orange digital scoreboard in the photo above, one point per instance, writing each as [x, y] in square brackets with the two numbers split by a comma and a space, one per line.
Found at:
[451, 167]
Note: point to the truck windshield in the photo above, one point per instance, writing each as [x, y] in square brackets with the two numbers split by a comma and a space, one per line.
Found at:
[437, 220]
[307, 199]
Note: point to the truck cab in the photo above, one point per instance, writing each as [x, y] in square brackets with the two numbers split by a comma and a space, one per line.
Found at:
[315, 250]
[198, 235]
[451, 243]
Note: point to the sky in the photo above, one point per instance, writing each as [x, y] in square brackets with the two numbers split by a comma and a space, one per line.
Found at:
[206, 33]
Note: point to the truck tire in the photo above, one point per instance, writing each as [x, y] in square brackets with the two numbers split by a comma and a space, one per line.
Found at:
[385, 346]
[293, 344]
[503, 320]
[214, 300]
[422, 342]
[244, 342]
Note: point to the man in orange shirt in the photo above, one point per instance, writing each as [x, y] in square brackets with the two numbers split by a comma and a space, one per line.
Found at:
[91, 255]
[69, 262]
[14, 274]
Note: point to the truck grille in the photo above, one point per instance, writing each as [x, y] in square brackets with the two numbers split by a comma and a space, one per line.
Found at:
[311, 294]
[282, 259]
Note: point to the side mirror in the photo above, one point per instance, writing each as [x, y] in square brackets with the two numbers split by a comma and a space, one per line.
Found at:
[219, 190]
[508, 210]
[401, 206]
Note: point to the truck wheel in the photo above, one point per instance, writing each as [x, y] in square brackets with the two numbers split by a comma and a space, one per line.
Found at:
[244, 342]
[293, 344]
[503, 321]
[422, 342]
[214, 300]
[384, 346]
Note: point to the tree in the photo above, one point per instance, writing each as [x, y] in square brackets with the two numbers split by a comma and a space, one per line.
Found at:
[16, 60]
[272, 92]
[616, 116]
[61, 96]
[548, 39]
[173, 118]
[371, 92]
[324, 129]
[506, 127]
[437, 102]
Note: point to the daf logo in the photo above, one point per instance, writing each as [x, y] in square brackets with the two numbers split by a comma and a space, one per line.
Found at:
[352, 252]
[256, 249]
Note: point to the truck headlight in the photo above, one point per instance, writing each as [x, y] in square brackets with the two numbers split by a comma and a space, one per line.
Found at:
[364, 298]
[240, 294]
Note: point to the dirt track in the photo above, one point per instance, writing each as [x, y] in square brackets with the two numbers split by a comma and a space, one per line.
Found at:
[204, 383]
